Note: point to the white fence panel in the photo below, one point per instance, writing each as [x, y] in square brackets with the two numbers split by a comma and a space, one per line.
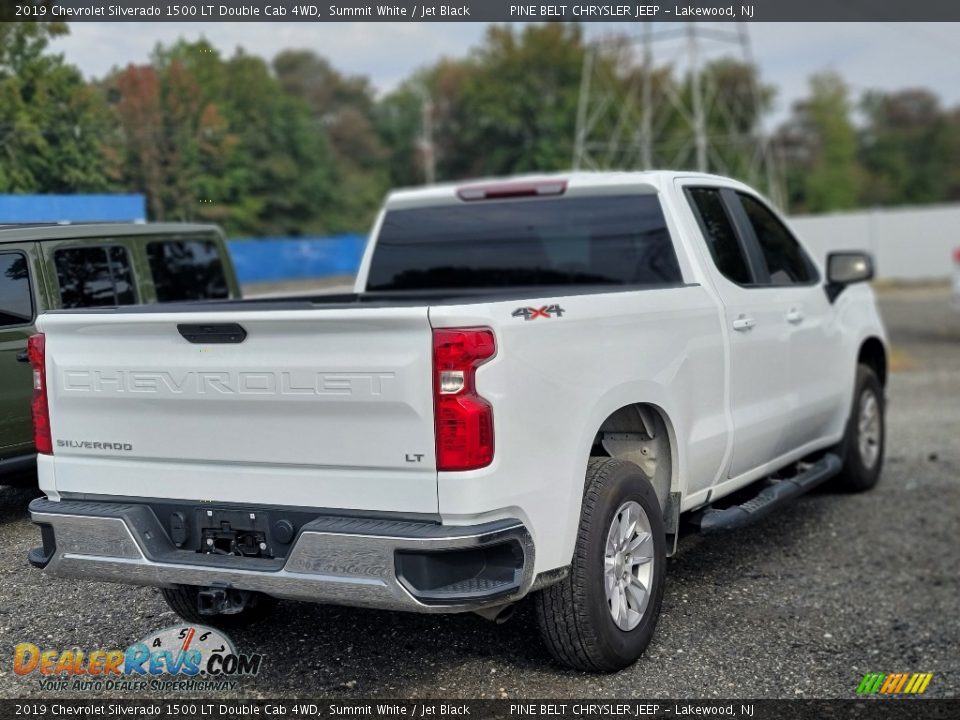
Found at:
[907, 243]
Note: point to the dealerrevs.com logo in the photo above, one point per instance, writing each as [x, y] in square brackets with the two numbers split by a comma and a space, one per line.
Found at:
[894, 683]
[181, 657]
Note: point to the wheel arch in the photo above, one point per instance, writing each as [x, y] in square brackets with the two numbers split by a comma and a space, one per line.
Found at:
[873, 354]
[643, 433]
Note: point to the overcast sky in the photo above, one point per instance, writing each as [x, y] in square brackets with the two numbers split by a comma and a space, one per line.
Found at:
[869, 55]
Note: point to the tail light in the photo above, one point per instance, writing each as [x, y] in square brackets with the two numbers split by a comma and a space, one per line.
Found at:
[463, 420]
[36, 353]
[956, 256]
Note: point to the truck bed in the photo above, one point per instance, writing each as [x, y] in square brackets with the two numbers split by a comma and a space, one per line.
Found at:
[382, 299]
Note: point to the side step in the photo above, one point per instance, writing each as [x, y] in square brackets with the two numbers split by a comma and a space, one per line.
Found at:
[769, 498]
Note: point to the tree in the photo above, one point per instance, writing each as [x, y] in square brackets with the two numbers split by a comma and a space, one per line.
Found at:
[345, 108]
[520, 103]
[909, 150]
[137, 104]
[283, 168]
[509, 107]
[173, 142]
[819, 146]
[213, 139]
[52, 124]
[398, 119]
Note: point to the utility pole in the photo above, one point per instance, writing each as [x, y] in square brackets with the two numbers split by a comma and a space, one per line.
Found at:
[646, 110]
[427, 147]
[696, 89]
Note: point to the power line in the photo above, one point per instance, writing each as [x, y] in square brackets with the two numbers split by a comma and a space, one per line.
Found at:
[627, 113]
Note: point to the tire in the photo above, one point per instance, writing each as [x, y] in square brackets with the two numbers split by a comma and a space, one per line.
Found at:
[575, 615]
[863, 458]
[182, 599]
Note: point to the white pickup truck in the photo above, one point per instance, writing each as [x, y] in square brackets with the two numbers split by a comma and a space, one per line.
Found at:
[537, 383]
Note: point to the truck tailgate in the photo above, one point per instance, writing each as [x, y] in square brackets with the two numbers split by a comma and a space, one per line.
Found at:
[314, 408]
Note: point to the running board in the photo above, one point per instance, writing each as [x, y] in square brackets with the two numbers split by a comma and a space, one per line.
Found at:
[769, 498]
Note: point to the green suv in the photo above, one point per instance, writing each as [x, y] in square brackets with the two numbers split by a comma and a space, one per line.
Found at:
[46, 267]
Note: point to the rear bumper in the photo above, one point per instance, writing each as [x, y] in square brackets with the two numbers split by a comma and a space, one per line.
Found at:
[388, 564]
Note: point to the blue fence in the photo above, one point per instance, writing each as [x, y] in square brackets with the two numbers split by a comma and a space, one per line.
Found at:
[268, 259]
[72, 208]
[278, 259]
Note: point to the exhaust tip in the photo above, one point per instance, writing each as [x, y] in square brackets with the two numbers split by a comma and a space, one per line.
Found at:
[498, 614]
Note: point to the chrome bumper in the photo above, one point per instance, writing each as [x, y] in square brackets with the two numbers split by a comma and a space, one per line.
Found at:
[335, 560]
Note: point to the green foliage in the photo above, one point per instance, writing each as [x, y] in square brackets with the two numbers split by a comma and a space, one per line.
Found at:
[519, 103]
[398, 120]
[832, 180]
[509, 107]
[214, 139]
[294, 146]
[51, 121]
[820, 146]
[345, 108]
[909, 149]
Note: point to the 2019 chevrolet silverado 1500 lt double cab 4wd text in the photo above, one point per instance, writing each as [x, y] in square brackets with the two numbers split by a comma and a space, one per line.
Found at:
[534, 381]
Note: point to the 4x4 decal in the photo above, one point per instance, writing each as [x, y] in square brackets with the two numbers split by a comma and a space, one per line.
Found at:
[532, 313]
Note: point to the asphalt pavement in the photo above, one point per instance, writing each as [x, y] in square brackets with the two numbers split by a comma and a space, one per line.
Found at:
[801, 605]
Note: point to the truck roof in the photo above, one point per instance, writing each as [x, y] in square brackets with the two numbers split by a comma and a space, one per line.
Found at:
[50, 231]
[575, 180]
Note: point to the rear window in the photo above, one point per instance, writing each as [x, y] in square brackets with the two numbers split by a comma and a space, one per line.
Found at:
[186, 270]
[16, 304]
[721, 237]
[94, 276]
[606, 240]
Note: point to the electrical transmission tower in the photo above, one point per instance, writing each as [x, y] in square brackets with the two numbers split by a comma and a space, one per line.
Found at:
[675, 108]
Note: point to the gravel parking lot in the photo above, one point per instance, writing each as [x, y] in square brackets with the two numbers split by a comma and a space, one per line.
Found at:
[800, 605]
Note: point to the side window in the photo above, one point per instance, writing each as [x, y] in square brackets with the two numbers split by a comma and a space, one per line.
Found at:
[786, 260]
[725, 248]
[186, 270]
[16, 304]
[94, 276]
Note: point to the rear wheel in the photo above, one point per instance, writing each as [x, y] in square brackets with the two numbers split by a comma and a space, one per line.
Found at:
[863, 444]
[601, 617]
[182, 599]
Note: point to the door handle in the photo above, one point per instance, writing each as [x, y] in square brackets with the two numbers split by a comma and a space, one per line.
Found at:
[23, 357]
[743, 323]
[795, 316]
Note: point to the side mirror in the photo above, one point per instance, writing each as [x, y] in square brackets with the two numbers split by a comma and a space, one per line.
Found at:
[844, 268]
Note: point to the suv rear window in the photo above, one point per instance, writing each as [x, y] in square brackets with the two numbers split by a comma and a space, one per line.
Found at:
[16, 304]
[186, 270]
[606, 240]
[94, 276]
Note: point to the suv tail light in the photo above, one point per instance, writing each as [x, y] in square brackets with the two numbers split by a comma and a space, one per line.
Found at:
[36, 353]
[463, 420]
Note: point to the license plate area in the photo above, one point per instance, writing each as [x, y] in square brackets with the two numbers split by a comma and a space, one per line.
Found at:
[243, 533]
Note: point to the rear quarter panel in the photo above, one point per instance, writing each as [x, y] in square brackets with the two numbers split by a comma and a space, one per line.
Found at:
[555, 380]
